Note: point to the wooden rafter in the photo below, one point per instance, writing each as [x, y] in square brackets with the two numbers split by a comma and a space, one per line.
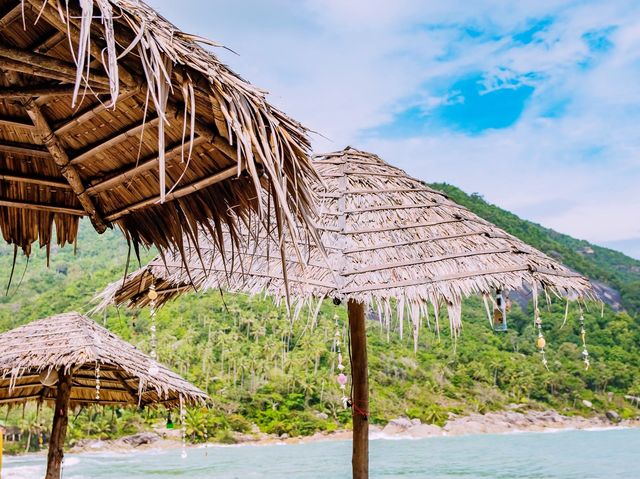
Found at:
[114, 140]
[99, 186]
[38, 91]
[178, 193]
[422, 281]
[29, 205]
[92, 112]
[31, 70]
[16, 123]
[34, 180]
[28, 149]
[49, 43]
[129, 79]
[129, 389]
[43, 65]
[413, 242]
[11, 16]
[61, 158]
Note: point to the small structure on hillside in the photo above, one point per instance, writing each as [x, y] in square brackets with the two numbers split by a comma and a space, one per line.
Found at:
[69, 360]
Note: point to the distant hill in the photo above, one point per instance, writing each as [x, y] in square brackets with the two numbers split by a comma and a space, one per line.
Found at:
[616, 276]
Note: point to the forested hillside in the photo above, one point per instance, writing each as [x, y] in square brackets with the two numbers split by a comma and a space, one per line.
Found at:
[262, 369]
[601, 264]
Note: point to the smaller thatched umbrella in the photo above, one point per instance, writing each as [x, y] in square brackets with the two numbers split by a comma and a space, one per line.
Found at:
[70, 360]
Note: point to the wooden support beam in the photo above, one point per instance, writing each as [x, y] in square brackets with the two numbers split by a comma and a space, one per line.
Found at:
[178, 193]
[41, 64]
[27, 205]
[19, 399]
[35, 180]
[91, 113]
[360, 398]
[59, 429]
[28, 149]
[115, 140]
[16, 123]
[62, 160]
[99, 186]
[15, 66]
[11, 16]
[38, 91]
[133, 392]
[50, 15]
[81, 387]
[49, 43]
[76, 386]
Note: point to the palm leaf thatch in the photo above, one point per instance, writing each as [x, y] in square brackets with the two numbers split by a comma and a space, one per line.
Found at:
[390, 242]
[74, 344]
[109, 111]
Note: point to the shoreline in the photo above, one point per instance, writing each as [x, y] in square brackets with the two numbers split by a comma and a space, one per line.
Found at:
[402, 428]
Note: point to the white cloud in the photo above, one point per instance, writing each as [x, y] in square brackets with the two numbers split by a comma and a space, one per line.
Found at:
[343, 67]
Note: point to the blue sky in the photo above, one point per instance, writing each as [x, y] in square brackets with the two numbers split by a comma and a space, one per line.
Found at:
[534, 104]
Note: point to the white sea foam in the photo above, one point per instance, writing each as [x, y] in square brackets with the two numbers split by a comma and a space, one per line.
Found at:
[71, 461]
[23, 472]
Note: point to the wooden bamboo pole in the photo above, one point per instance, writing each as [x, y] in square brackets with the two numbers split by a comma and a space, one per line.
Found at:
[11, 16]
[36, 91]
[16, 123]
[45, 65]
[59, 155]
[30, 205]
[36, 180]
[360, 398]
[59, 429]
[29, 149]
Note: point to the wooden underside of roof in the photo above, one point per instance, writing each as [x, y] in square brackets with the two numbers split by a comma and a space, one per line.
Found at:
[116, 388]
[59, 161]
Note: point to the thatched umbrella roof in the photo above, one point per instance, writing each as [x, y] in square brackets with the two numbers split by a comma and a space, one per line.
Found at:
[109, 111]
[75, 344]
[389, 241]
[387, 237]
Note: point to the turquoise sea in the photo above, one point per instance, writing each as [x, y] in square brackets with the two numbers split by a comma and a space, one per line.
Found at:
[603, 454]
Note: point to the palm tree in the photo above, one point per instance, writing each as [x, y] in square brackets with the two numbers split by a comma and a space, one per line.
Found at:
[196, 424]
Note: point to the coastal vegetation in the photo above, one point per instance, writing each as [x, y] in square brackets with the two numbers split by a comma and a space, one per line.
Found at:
[263, 370]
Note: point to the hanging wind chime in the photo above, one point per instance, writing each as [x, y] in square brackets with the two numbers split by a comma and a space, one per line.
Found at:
[540, 341]
[183, 424]
[97, 381]
[500, 309]
[583, 337]
[153, 296]
[342, 377]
